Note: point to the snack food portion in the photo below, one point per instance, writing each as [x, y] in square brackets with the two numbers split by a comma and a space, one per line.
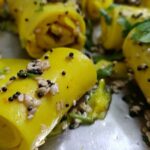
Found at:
[42, 26]
[9, 67]
[85, 51]
[136, 51]
[117, 23]
[41, 94]
[93, 7]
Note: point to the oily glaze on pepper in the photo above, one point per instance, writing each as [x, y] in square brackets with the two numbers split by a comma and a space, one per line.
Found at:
[138, 58]
[42, 26]
[121, 19]
[92, 7]
[9, 67]
[80, 76]
[145, 3]
[1, 3]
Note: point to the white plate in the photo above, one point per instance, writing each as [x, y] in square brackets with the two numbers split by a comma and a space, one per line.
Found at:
[117, 132]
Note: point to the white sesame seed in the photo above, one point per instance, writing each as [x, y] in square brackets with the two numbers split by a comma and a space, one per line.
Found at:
[59, 106]
[33, 111]
[28, 100]
[37, 103]
[38, 64]
[64, 125]
[9, 82]
[44, 90]
[38, 30]
[2, 76]
[85, 114]
[86, 107]
[21, 98]
[43, 128]
[45, 64]
[77, 30]
[78, 121]
[87, 97]
[148, 99]
[74, 102]
[42, 82]
[148, 49]
[44, 1]
[148, 124]
[30, 116]
[54, 89]
[136, 109]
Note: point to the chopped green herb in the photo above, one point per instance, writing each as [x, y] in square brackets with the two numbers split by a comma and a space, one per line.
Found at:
[105, 72]
[6, 23]
[3, 71]
[89, 33]
[146, 140]
[23, 74]
[6, 26]
[127, 26]
[31, 75]
[105, 13]
[111, 7]
[107, 17]
[112, 57]
[142, 32]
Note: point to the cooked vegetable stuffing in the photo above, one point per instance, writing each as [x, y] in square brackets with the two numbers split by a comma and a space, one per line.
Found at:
[44, 26]
[30, 111]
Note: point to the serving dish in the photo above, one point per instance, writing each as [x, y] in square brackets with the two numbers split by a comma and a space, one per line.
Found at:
[117, 132]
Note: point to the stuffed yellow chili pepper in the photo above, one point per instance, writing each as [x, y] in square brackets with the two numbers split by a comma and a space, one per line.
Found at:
[42, 26]
[137, 52]
[9, 67]
[1, 3]
[117, 21]
[92, 7]
[34, 102]
[145, 3]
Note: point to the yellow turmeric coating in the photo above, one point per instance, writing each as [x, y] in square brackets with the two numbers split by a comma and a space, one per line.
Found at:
[1, 3]
[9, 67]
[92, 7]
[45, 26]
[136, 56]
[121, 19]
[17, 132]
[145, 3]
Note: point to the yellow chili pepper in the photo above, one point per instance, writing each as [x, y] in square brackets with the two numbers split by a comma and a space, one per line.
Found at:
[92, 7]
[145, 3]
[138, 58]
[9, 67]
[17, 132]
[117, 22]
[45, 26]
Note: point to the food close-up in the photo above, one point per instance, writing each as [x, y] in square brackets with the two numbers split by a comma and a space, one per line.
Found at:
[74, 75]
